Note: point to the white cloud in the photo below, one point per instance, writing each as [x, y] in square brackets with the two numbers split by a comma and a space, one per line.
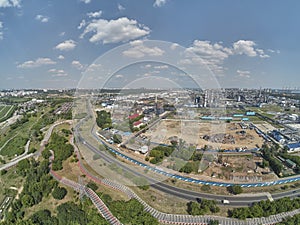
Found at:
[66, 45]
[62, 34]
[262, 54]
[94, 14]
[209, 54]
[41, 18]
[147, 66]
[208, 50]
[86, 1]
[82, 24]
[1, 32]
[243, 73]
[61, 57]
[114, 31]
[10, 3]
[159, 3]
[120, 7]
[245, 47]
[94, 68]
[271, 50]
[174, 46]
[214, 54]
[162, 67]
[57, 73]
[77, 65]
[37, 63]
[119, 76]
[139, 50]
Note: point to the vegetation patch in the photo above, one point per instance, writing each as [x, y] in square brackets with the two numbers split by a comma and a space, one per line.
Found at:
[61, 148]
[265, 208]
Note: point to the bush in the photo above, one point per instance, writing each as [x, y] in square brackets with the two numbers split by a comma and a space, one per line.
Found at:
[205, 188]
[92, 186]
[59, 193]
[235, 189]
[46, 154]
[3, 172]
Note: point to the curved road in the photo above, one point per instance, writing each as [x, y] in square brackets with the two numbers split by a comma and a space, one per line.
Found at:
[187, 194]
[15, 161]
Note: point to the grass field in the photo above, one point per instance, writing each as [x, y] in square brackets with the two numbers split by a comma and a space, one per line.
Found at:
[16, 139]
[9, 180]
[6, 111]
[15, 147]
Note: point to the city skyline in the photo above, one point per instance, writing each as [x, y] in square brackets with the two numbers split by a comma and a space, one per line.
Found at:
[51, 44]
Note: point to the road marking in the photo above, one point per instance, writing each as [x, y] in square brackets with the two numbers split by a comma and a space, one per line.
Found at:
[270, 197]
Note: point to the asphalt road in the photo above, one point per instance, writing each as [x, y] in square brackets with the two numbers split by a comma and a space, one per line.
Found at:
[179, 192]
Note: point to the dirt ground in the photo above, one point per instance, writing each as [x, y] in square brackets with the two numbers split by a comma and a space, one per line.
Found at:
[213, 134]
[265, 127]
[238, 168]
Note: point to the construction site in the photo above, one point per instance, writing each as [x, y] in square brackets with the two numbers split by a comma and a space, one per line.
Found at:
[209, 135]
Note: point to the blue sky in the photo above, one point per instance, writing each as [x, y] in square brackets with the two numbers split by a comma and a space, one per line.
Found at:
[50, 44]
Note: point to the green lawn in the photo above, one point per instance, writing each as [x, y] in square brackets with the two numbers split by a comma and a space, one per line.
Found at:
[6, 111]
[8, 180]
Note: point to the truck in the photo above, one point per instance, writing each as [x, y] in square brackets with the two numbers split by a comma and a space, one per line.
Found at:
[225, 201]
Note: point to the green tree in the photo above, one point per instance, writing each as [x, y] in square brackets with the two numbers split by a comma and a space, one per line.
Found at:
[214, 222]
[103, 119]
[46, 154]
[193, 208]
[27, 200]
[43, 217]
[23, 166]
[117, 138]
[69, 213]
[92, 185]
[59, 193]
[235, 189]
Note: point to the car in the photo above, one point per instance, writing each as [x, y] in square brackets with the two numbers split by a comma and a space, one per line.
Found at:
[225, 201]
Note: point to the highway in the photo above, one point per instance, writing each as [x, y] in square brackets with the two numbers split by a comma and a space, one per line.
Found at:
[188, 194]
[237, 201]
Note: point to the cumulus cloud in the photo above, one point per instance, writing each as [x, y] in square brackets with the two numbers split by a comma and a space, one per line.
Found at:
[214, 54]
[94, 14]
[37, 63]
[85, 1]
[82, 24]
[139, 50]
[210, 54]
[262, 53]
[209, 50]
[61, 57]
[120, 7]
[245, 47]
[94, 67]
[42, 19]
[58, 73]
[248, 48]
[10, 3]
[77, 65]
[66, 45]
[243, 73]
[114, 31]
[159, 3]
[174, 46]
